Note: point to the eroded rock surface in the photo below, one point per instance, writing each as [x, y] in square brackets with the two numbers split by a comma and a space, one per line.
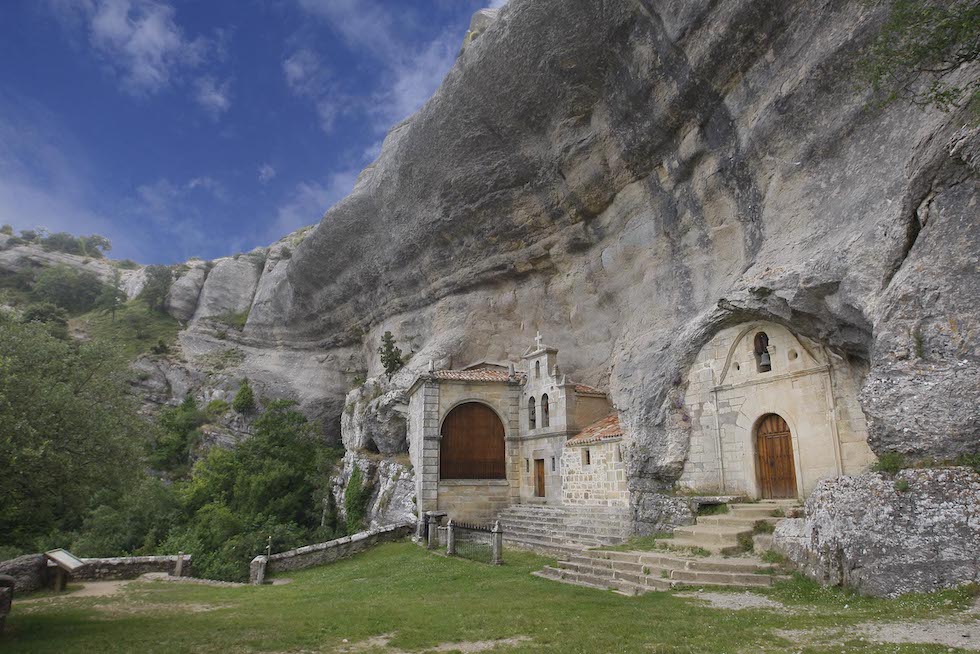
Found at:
[916, 532]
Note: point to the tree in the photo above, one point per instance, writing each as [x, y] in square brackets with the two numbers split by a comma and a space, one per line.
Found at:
[391, 355]
[68, 288]
[113, 297]
[63, 242]
[244, 402]
[7, 229]
[922, 46]
[53, 317]
[158, 282]
[96, 246]
[68, 429]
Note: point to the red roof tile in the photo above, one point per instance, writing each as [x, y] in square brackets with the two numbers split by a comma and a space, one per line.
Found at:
[588, 390]
[598, 431]
[479, 375]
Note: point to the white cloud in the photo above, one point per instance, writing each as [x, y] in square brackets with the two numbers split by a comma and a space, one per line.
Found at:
[410, 72]
[214, 97]
[497, 4]
[266, 173]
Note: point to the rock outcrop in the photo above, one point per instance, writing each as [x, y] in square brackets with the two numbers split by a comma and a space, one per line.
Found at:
[390, 485]
[884, 536]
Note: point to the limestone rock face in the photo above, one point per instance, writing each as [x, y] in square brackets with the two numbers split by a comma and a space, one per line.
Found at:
[371, 421]
[230, 287]
[26, 257]
[917, 532]
[630, 177]
[392, 489]
[185, 291]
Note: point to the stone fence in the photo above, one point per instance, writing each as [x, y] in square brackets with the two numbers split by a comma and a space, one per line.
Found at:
[334, 550]
[131, 567]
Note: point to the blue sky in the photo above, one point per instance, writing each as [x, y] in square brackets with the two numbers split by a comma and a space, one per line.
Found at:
[183, 128]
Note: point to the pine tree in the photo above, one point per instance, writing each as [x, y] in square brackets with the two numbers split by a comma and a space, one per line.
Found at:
[244, 402]
[112, 297]
[391, 355]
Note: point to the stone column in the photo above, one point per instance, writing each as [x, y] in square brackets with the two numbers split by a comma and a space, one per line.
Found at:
[497, 544]
[450, 539]
[257, 570]
[179, 566]
[428, 476]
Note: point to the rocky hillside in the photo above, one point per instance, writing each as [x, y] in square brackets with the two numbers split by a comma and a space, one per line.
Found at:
[628, 177]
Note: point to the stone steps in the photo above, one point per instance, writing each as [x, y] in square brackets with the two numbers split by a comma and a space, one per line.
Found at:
[721, 532]
[634, 573]
[551, 528]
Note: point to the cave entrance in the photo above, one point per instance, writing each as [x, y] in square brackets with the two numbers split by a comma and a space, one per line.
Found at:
[775, 465]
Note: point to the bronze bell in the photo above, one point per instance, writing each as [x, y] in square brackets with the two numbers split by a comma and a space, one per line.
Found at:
[765, 363]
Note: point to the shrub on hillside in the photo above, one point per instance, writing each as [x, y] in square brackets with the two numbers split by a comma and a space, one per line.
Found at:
[68, 288]
[53, 317]
[159, 279]
[244, 402]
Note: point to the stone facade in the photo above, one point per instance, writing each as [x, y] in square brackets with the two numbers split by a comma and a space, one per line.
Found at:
[594, 475]
[729, 391]
[539, 408]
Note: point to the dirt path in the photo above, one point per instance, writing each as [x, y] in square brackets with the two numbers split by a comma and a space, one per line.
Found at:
[88, 589]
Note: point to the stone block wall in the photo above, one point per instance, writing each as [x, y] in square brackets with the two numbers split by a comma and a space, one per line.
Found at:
[130, 567]
[321, 553]
[601, 481]
[474, 500]
[29, 571]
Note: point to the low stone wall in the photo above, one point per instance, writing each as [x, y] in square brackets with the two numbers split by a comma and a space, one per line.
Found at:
[30, 572]
[918, 531]
[131, 567]
[311, 555]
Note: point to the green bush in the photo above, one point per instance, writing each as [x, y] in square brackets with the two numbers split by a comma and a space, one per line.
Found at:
[69, 428]
[178, 436]
[233, 320]
[244, 402]
[54, 318]
[127, 264]
[7, 229]
[130, 523]
[67, 288]
[217, 408]
[159, 279]
[890, 463]
[355, 500]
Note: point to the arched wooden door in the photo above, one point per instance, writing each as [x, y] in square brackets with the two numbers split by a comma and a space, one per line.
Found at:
[472, 444]
[777, 469]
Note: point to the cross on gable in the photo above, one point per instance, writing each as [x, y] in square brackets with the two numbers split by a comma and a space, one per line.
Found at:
[538, 340]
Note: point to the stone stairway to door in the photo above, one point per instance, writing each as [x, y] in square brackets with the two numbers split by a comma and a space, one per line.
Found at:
[719, 533]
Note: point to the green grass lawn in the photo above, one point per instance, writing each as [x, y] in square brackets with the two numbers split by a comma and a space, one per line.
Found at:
[423, 600]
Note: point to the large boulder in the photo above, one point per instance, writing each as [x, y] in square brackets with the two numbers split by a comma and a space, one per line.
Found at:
[390, 484]
[372, 422]
[186, 289]
[918, 531]
[230, 286]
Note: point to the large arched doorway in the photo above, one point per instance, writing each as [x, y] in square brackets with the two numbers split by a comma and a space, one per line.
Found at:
[472, 444]
[775, 464]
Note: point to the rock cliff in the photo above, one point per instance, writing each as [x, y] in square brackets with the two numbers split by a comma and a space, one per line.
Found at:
[629, 177]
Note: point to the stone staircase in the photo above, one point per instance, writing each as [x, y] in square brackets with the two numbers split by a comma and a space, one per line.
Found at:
[563, 530]
[635, 573]
[720, 533]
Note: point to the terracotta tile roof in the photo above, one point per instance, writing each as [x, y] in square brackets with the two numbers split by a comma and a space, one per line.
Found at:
[588, 390]
[479, 375]
[598, 431]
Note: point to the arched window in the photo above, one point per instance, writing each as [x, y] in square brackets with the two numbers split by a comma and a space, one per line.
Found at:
[545, 417]
[761, 348]
[532, 418]
[472, 445]
[537, 370]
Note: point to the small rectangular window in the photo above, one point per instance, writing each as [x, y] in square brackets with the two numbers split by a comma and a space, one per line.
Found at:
[586, 457]
[619, 454]
[527, 465]
[553, 465]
